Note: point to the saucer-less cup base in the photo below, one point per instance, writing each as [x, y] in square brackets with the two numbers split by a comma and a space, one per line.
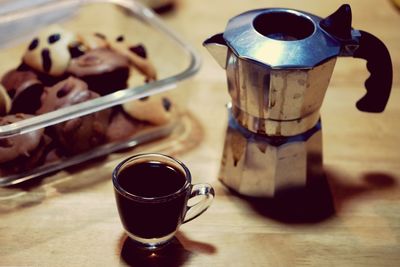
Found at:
[152, 193]
[151, 243]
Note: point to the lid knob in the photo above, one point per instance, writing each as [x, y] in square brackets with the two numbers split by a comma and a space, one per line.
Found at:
[338, 24]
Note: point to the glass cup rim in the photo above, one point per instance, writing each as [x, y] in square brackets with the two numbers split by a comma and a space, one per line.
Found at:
[131, 196]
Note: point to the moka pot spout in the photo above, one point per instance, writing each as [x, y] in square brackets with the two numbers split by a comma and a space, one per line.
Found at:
[217, 47]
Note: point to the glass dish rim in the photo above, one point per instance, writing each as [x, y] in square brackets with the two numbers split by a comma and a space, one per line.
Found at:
[103, 150]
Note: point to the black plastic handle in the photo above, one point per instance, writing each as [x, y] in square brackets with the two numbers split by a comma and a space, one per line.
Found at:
[379, 64]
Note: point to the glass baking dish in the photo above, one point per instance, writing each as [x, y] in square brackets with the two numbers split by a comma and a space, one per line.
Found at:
[174, 59]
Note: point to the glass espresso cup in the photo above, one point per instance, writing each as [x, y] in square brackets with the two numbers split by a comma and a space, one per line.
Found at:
[152, 193]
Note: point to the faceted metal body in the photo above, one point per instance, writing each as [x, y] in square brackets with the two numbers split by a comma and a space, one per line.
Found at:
[273, 140]
[276, 102]
[259, 166]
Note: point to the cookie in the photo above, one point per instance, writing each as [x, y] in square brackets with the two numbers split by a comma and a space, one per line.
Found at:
[5, 101]
[104, 70]
[19, 146]
[50, 52]
[22, 152]
[137, 56]
[25, 90]
[83, 133]
[79, 134]
[122, 126]
[68, 92]
[154, 109]
[93, 41]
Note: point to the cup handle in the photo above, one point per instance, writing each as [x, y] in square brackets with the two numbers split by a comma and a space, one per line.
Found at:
[206, 194]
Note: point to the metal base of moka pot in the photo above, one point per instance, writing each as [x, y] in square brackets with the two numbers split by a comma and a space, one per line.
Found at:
[260, 166]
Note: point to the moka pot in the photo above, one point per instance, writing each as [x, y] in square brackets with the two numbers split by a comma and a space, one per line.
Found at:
[278, 64]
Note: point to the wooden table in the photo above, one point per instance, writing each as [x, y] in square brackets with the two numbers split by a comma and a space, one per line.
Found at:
[352, 221]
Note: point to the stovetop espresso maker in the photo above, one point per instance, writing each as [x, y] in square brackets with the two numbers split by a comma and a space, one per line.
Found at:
[278, 64]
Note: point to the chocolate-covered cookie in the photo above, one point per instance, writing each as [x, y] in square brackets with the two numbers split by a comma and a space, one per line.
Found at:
[19, 145]
[84, 133]
[25, 90]
[122, 126]
[68, 92]
[78, 134]
[136, 54]
[104, 70]
[52, 156]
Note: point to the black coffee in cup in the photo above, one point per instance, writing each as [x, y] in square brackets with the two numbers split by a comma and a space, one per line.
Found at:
[152, 193]
[151, 179]
[157, 209]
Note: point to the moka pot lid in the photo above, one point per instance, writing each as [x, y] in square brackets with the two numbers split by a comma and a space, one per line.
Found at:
[280, 38]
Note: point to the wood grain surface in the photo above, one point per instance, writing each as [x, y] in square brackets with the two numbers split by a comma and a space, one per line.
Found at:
[350, 219]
